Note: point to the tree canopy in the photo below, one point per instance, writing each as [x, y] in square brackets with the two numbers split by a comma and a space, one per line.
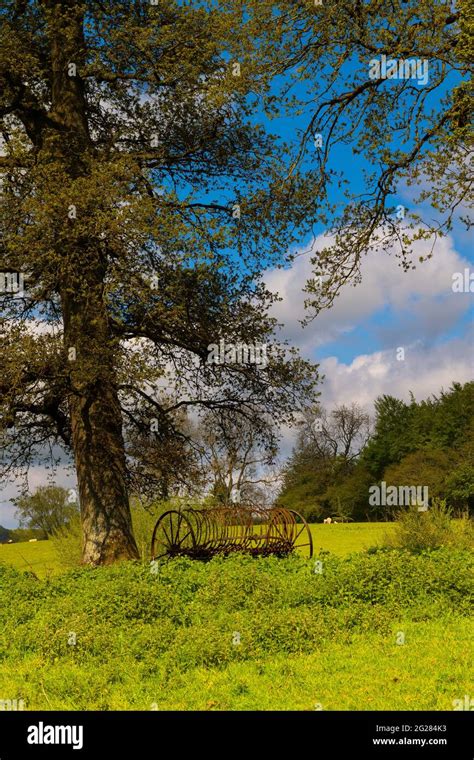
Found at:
[427, 443]
[140, 204]
[48, 509]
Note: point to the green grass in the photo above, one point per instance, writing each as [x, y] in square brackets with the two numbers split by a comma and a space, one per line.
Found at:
[345, 538]
[166, 640]
[39, 558]
[341, 540]
[373, 673]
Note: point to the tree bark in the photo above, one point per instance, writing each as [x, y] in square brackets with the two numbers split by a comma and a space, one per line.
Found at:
[96, 419]
[96, 424]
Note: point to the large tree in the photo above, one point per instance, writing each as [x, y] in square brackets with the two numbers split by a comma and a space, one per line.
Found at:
[141, 202]
[142, 199]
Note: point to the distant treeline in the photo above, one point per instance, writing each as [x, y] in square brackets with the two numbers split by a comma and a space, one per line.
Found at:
[428, 443]
[20, 534]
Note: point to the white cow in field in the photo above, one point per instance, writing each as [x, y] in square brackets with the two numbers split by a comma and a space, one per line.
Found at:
[327, 521]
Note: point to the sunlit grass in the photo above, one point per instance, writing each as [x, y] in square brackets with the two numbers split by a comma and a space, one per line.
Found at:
[340, 539]
[344, 538]
[39, 558]
[382, 631]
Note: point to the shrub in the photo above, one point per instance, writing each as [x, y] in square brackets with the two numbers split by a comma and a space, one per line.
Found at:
[417, 531]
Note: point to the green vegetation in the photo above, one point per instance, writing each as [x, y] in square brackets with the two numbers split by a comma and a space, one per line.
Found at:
[20, 534]
[242, 633]
[164, 640]
[39, 558]
[47, 510]
[428, 443]
[46, 558]
[345, 538]
[417, 531]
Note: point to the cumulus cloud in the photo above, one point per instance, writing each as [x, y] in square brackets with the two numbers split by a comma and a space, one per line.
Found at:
[417, 304]
[423, 371]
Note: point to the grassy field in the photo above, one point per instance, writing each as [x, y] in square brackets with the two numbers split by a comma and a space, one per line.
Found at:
[39, 558]
[371, 672]
[341, 540]
[345, 538]
[377, 631]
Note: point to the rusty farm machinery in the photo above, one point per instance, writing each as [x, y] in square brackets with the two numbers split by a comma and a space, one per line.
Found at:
[203, 533]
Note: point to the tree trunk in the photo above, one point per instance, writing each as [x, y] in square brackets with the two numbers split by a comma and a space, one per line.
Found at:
[96, 423]
[96, 419]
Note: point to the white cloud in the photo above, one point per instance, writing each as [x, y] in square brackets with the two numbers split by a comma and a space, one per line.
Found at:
[423, 298]
[424, 371]
[422, 310]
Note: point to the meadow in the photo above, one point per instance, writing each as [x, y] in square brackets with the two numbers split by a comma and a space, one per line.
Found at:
[341, 539]
[39, 558]
[384, 629]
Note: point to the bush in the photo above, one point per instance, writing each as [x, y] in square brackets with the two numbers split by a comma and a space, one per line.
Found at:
[417, 531]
